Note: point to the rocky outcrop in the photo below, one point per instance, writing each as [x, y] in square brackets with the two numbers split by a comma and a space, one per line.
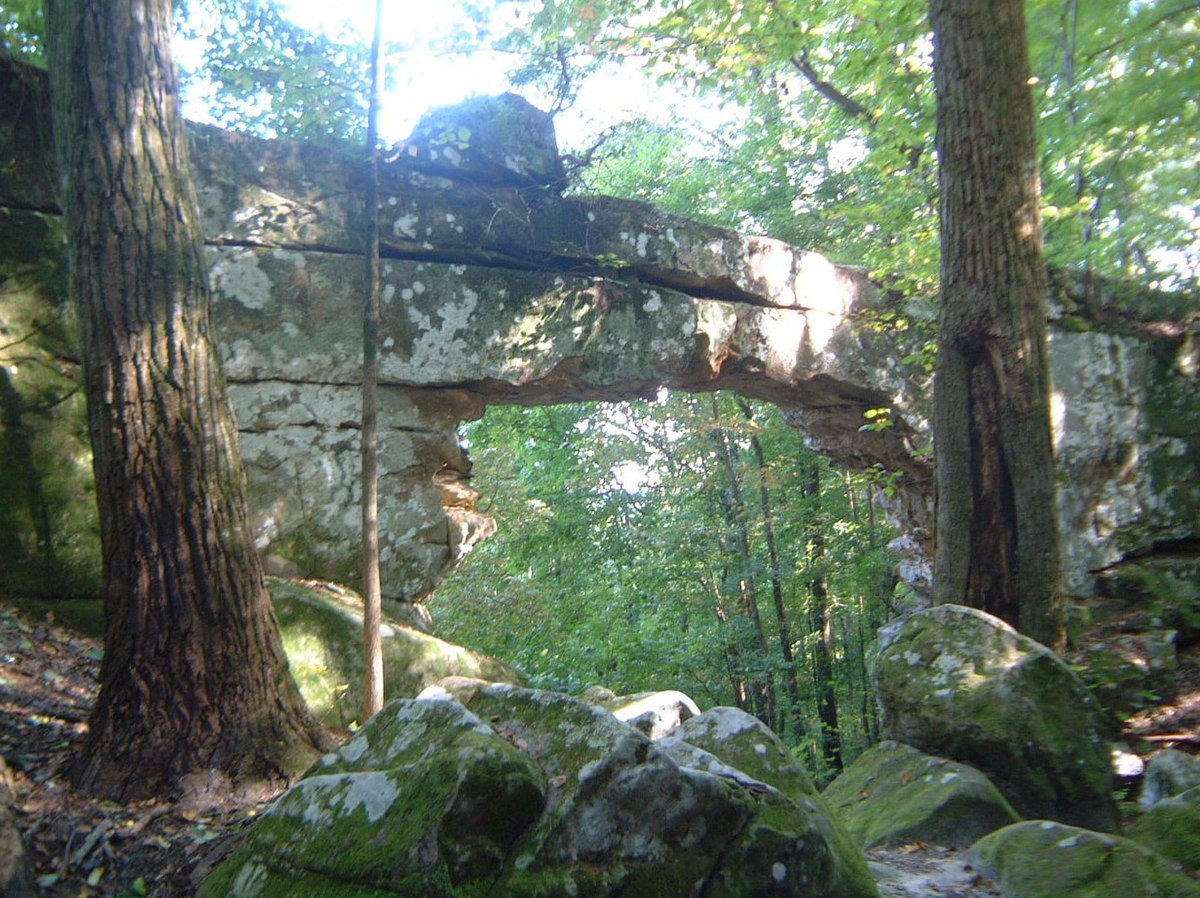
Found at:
[1169, 772]
[1171, 827]
[894, 794]
[322, 627]
[961, 684]
[1043, 859]
[499, 289]
[478, 789]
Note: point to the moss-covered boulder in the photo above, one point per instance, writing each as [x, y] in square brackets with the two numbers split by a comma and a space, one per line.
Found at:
[1172, 828]
[961, 684]
[894, 794]
[425, 798]
[743, 742]
[322, 634]
[1044, 859]
[480, 789]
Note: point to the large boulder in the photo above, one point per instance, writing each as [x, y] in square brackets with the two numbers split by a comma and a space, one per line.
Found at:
[1172, 828]
[322, 629]
[492, 789]
[425, 797]
[894, 794]
[1169, 772]
[498, 139]
[1044, 859]
[961, 684]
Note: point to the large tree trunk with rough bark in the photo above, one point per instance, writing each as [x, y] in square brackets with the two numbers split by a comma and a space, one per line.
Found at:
[194, 682]
[997, 529]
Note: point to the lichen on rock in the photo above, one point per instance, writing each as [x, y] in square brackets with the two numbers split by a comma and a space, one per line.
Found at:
[961, 684]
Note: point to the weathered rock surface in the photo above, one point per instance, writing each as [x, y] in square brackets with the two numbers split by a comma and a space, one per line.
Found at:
[498, 289]
[322, 635]
[1169, 772]
[1043, 859]
[478, 789]
[961, 684]
[894, 794]
[657, 714]
[1172, 828]
[424, 798]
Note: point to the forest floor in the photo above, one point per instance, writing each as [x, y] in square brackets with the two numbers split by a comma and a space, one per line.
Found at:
[81, 847]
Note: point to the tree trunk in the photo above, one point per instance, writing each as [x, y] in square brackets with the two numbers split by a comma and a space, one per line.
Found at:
[194, 679]
[793, 717]
[733, 506]
[820, 616]
[997, 528]
[372, 588]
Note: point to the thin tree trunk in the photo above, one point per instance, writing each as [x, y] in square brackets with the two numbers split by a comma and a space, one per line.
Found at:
[372, 589]
[734, 507]
[791, 675]
[194, 680]
[997, 527]
[821, 624]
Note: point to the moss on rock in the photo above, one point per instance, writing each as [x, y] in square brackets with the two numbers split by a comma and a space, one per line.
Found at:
[1043, 859]
[961, 684]
[1172, 828]
[322, 634]
[894, 794]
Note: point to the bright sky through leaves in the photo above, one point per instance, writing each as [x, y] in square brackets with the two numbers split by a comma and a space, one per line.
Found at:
[426, 74]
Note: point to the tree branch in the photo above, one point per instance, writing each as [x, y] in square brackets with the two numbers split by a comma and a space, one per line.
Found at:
[846, 103]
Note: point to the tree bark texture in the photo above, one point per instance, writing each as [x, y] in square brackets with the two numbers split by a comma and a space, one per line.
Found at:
[997, 529]
[194, 679]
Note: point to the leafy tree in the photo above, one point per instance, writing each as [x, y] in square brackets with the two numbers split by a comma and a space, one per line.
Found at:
[618, 562]
[997, 522]
[194, 679]
[273, 78]
[832, 112]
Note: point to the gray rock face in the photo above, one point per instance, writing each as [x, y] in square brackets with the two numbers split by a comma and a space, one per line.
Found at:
[491, 789]
[894, 794]
[1170, 772]
[503, 139]
[498, 289]
[961, 684]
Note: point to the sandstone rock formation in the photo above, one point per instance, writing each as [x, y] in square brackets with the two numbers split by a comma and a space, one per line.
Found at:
[894, 794]
[321, 626]
[478, 788]
[961, 684]
[1043, 859]
[499, 289]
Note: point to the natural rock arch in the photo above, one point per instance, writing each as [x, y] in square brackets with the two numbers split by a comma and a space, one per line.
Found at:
[499, 289]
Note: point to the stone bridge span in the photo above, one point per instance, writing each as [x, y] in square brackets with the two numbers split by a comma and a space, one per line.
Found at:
[499, 289]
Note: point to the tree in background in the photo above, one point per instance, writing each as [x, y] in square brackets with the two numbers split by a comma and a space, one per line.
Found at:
[997, 523]
[194, 680]
[618, 560]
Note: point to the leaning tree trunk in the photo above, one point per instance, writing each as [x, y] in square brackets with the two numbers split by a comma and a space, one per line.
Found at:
[194, 679]
[997, 527]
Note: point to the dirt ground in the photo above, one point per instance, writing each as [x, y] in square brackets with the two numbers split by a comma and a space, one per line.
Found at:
[80, 847]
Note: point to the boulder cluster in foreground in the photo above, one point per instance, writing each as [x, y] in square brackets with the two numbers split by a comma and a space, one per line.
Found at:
[476, 788]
